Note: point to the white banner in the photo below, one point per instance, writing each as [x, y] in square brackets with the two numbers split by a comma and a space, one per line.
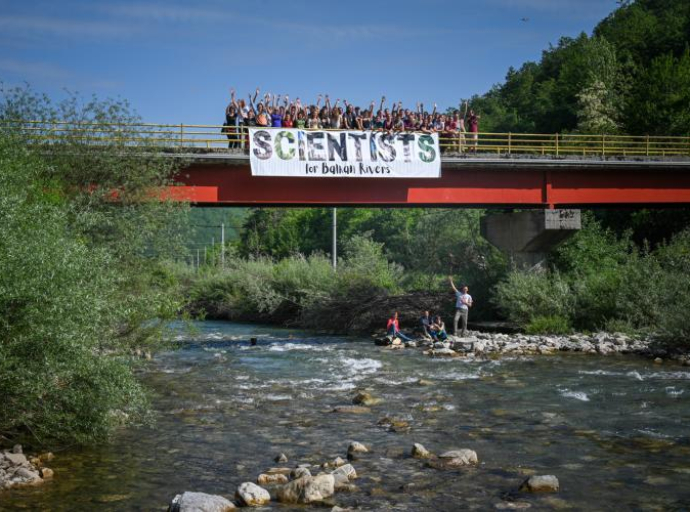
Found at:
[343, 154]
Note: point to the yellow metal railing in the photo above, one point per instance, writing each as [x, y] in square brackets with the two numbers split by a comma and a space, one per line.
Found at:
[218, 138]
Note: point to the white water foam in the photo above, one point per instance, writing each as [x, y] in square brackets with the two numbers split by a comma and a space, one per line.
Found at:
[287, 346]
[672, 391]
[578, 395]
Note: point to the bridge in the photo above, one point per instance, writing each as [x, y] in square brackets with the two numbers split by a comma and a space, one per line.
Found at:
[550, 175]
[507, 170]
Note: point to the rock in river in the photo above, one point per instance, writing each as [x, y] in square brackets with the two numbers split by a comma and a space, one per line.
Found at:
[364, 398]
[352, 409]
[308, 489]
[348, 470]
[540, 483]
[281, 458]
[252, 495]
[266, 479]
[199, 502]
[463, 457]
[419, 452]
[356, 447]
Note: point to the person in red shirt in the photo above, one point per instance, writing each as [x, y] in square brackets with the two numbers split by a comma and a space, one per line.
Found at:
[393, 328]
[473, 125]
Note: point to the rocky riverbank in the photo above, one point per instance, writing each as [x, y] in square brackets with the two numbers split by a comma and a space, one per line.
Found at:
[482, 344]
[296, 484]
[17, 470]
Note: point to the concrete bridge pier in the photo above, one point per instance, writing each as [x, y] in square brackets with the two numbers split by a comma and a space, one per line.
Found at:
[528, 236]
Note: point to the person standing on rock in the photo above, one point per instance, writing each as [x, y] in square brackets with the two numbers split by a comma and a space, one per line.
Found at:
[463, 303]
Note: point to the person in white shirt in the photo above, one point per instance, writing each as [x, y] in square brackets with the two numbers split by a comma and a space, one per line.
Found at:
[463, 303]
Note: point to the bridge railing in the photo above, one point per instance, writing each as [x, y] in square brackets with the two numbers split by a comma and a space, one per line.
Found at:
[216, 138]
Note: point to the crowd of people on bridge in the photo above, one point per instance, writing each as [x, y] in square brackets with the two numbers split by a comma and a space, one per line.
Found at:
[276, 111]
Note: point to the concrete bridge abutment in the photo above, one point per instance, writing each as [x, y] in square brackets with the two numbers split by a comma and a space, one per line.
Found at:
[528, 236]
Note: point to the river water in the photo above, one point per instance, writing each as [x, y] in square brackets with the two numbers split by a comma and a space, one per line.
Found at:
[615, 430]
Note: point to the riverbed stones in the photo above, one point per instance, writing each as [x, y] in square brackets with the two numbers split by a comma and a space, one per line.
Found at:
[299, 472]
[308, 489]
[540, 483]
[251, 495]
[281, 458]
[419, 452]
[266, 479]
[462, 457]
[47, 473]
[16, 458]
[352, 409]
[356, 447]
[364, 398]
[200, 502]
[347, 470]
[278, 471]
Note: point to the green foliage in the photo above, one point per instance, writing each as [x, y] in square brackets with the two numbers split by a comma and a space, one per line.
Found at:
[602, 281]
[630, 76]
[78, 288]
[548, 325]
[525, 296]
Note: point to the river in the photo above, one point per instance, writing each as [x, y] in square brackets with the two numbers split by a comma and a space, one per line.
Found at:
[615, 430]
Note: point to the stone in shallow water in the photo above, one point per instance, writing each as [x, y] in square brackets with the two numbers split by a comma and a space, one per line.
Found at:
[352, 409]
[299, 473]
[281, 458]
[540, 483]
[307, 489]
[462, 457]
[366, 399]
[199, 502]
[266, 479]
[419, 452]
[252, 495]
[356, 447]
[348, 470]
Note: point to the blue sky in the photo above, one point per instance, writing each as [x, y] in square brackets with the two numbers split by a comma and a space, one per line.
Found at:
[175, 61]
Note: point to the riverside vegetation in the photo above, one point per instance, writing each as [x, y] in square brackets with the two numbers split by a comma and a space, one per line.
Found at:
[80, 286]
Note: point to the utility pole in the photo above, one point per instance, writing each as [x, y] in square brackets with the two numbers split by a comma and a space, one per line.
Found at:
[334, 250]
[222, 245]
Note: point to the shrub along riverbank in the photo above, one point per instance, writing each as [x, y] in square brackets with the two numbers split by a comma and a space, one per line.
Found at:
[78, 283]
[597, 281]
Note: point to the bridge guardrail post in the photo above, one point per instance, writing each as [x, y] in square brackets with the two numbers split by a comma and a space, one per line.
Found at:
[510, 143]
[182, 137]
[647, 145]
[557, 148]
[603, 145]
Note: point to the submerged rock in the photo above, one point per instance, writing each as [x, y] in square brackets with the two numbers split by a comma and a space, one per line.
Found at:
[352, 409]
[200, 502]
[540, 483]
[281, 458]
[308, 489]
[252, 495]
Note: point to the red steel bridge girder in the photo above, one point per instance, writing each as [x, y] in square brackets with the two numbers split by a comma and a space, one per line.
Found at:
[485, 185]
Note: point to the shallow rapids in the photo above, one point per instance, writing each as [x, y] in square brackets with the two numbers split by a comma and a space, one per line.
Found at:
[614, 430]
